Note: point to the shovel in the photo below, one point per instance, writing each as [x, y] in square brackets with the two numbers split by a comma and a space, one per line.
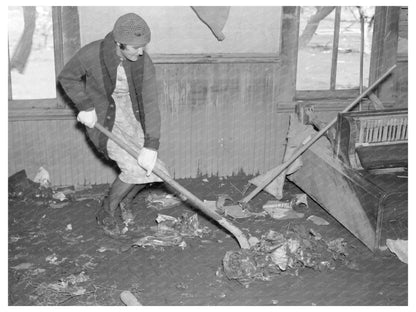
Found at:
[186, 195]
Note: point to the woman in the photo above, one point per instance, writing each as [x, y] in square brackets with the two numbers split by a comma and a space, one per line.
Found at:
[112, 81]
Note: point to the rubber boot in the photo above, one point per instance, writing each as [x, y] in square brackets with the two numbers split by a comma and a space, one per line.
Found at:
[128, 199]
[106, 216]
[126, 204]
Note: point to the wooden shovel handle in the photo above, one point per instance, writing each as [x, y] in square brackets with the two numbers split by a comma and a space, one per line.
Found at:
[195, 201]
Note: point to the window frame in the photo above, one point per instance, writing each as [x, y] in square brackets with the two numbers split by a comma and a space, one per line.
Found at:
[331, 93]
[29, 106]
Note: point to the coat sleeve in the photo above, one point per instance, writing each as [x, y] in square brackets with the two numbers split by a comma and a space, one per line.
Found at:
[150, 106]
[72, 79]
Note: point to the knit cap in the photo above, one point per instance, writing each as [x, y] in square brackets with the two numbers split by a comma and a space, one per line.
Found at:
[131, 29]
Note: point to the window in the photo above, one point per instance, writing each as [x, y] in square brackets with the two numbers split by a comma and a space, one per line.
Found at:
[31, 53]
[39, 38]
[334, 48]
[178, 35]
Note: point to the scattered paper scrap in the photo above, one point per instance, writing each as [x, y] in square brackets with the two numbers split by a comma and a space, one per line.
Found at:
[127, 215]
[171, 231]
[23, 266]
[281, 210]
[301, 199]
[315, 235]
[54, 293]
[253, 241]
[58, 205]
[280, 257]
[53, 259]
[169, 220]
[398, 247]
[317, 220]
[161, 201]
[75, 279]
[278, 204]
[42, 177]
[211, 205]
[234, 211]
[222, 199]
[159, 239]
[338, 245]
[59, 196]
[14, 239]
[38, 271]
[237, 212]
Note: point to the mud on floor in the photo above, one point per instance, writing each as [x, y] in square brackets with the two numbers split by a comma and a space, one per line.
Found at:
[58, 256]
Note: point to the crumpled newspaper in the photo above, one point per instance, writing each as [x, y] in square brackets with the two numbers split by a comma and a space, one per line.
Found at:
[290, 251]
[171, 231]
[43, 178]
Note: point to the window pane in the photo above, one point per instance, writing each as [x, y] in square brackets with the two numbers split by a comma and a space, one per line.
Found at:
[316, 32]
[31, 52]
[348, 70]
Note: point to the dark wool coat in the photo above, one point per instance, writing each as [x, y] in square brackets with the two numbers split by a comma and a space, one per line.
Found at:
[89, 79]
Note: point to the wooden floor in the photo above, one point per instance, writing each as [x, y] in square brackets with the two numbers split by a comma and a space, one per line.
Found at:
[49, 245]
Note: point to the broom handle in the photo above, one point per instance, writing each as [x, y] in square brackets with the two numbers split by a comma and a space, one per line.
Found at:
[300, 151]
[242, 240]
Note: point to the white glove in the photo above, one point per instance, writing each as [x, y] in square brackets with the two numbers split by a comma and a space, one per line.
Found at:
[88, 118]
[147, 159]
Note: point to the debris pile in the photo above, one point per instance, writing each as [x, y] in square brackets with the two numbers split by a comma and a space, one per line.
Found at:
[288, 252]
[39, 191]
[60, 291]
[22, 188]
[171, 231]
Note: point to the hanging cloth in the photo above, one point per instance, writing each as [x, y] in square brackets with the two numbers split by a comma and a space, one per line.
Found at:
[214, 17]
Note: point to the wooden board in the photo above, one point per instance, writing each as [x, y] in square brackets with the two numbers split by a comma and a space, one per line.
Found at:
[343, 192]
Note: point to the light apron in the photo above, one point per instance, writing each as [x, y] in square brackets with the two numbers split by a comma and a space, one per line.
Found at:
[130, 131]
